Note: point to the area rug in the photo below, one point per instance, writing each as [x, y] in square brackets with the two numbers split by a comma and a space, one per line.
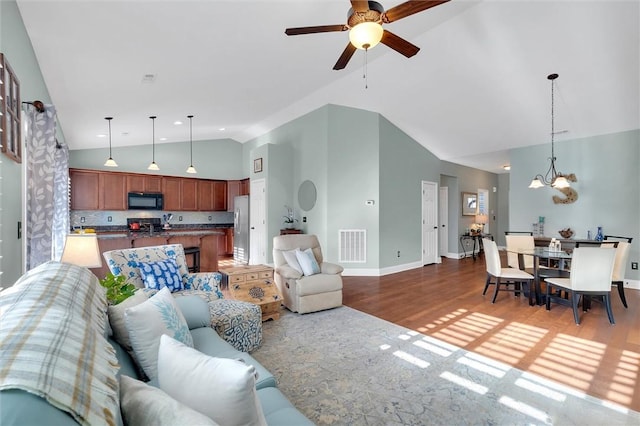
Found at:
[345, 367]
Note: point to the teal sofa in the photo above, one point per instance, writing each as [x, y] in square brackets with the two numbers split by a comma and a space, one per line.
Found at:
[58, 291]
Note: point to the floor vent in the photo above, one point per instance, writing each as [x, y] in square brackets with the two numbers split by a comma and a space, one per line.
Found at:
[353, 245]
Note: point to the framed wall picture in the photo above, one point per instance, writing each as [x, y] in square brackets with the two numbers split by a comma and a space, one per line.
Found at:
[469, 203]
[257, 165]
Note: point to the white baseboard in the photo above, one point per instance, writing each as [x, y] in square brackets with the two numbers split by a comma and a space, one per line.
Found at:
[362, 272]
[634, 284]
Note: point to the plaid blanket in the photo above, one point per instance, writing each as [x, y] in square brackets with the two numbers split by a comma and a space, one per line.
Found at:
[52, 342]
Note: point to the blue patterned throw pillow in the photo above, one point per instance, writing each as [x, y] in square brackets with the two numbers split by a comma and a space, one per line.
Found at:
[160, 274]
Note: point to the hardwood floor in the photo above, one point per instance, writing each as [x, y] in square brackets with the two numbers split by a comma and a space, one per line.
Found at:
[445, 301]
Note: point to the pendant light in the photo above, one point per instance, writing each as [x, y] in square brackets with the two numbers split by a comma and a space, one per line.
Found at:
[191, 169]
[552, 178]
[153, 165]
[110, 162]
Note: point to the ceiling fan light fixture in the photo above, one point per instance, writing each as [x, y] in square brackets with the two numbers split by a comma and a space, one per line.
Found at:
[366, 35]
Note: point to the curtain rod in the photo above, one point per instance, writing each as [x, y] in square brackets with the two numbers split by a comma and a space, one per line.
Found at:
[38, 105]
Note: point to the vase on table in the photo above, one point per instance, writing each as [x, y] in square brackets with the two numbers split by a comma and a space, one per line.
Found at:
[599, 235]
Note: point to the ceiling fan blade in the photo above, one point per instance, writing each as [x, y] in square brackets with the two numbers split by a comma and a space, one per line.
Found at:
[318, 29]
[399, 44]
[344, 58]
[360, 5]
[409, 8]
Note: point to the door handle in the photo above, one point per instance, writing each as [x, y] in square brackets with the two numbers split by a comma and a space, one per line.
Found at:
[435, 227]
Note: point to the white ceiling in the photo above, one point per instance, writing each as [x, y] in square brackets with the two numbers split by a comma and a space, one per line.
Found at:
[477, 87]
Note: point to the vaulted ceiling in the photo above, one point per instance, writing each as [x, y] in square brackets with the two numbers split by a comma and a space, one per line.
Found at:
[477, 88]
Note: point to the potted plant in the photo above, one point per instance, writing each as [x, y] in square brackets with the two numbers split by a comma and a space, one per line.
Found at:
[289, 218]
[117, 288]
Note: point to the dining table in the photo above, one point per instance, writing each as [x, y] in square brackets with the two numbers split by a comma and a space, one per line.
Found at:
[552, 256]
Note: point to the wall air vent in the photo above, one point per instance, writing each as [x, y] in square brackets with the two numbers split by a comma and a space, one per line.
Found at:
[353, 246]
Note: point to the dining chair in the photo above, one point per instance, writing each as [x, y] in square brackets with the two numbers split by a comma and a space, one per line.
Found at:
[506, 279]
[620, 268]
[615, 237]
[591, 274]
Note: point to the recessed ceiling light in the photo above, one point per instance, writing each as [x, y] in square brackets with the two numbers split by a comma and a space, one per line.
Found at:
[163, 139]
[125, 133]
[222, 129]
[101, 136]
[148, 78]
[507, 167]
[177, 123]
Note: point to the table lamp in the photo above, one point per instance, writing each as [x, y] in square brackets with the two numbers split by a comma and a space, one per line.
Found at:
[482, 219]
[82, 250]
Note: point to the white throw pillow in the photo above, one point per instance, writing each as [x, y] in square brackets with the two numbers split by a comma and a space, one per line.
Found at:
[292, 259]
[221, 388]
[308, 262]
[148, 321]
[116, 318]
[144, 405]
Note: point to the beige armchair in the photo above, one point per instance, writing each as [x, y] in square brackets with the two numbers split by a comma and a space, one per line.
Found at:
[315, 291]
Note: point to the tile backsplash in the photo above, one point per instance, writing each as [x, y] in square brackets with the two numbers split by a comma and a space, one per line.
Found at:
[99, 218]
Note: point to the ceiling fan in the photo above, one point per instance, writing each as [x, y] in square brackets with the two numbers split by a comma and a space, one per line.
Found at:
[364, 23]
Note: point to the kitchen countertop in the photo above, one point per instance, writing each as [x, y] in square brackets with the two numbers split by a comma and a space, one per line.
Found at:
[165, 233]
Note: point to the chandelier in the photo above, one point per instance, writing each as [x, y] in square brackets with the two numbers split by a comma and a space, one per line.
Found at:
[552, 178]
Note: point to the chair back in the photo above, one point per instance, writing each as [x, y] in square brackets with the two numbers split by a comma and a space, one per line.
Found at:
[282, 243]
[616, 237]
[519, 242]
[620, 263]
[492, 257]
[592, 268]
[125, 261]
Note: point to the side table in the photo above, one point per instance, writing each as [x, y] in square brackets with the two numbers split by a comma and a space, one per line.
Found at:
[254, 284]
[477, 243]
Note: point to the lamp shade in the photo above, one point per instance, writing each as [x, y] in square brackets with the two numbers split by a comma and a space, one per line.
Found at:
[482, 219]
[366, 35]
[82, 250]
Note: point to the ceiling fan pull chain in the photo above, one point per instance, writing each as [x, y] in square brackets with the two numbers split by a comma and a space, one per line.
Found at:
[364, 75]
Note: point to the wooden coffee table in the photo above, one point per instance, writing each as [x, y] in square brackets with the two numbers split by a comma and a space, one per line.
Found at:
[254, 284]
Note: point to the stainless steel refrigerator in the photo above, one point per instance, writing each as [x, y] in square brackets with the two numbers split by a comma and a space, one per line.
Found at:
[241, 229]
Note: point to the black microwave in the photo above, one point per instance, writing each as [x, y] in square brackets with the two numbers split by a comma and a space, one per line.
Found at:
[144, 201]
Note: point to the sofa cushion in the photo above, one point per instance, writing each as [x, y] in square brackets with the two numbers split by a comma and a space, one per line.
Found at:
[160, 274]
[307, 262]
[148, 321]
[116, 318]
[194, 309]
[142, 404]
[207, 341]
[221, 388]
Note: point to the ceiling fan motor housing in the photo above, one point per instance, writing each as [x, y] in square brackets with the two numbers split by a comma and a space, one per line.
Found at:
[374, 14]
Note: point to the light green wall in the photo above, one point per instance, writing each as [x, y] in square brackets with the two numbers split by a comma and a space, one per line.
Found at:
[608, 188]
[404, 164]
[16, 46]
[213, 159]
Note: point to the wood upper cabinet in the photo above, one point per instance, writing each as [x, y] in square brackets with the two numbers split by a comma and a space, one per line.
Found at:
[205, 195]
[84, 189]
[172, 193]
[219, 195]
[144, 183]
[113, 191]
[189, 194]
[245, 184]
[233, 190]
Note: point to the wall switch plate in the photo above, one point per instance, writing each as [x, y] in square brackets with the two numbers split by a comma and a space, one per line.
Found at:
[370, 202]
[634, 265]
[209, 218]
[304, 219]
[82, 219]
[180, 218]
[109, 218]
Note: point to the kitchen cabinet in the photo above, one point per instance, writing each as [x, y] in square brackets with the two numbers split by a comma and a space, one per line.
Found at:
[245, 184]
[188, 194]
[209, 253]
[233, 190]
[229, 232]
[112, 188]
[205, 195]
[219, 195]
[84, 189]
[149, 241]
[171, 193]
[144, 183]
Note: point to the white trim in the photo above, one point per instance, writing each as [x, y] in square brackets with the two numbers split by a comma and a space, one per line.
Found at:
[634, 284]
[363, 272]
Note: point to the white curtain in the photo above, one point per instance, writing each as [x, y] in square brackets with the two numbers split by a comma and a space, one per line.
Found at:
[47, 181]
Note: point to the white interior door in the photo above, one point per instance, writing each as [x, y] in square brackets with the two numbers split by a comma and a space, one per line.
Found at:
[443, 230]
[257, 223]
[429, 223]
